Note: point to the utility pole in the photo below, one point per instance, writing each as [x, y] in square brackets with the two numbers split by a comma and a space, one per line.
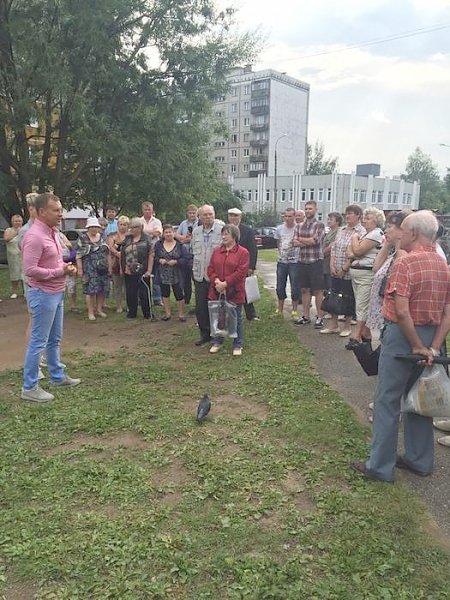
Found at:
[276, 171]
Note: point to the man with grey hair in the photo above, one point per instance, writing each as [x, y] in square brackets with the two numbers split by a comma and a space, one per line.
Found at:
[205, 238]
[417, 319]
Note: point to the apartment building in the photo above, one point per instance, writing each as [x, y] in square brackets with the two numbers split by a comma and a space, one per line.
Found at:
[265, 112]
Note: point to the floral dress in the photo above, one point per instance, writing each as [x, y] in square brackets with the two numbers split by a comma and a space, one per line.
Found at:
[167, 274]
[375, 319]
[94, 257]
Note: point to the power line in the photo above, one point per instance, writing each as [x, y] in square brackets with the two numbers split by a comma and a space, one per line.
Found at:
[393, 37]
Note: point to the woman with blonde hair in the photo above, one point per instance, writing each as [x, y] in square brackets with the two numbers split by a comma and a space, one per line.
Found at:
[361, 253]
[114, 242]
[13, 254]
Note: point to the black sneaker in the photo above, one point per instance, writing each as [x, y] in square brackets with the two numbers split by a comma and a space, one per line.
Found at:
[303, 321]
[318, 324]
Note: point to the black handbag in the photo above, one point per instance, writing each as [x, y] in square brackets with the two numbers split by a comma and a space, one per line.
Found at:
[336, 303]
[367, 357]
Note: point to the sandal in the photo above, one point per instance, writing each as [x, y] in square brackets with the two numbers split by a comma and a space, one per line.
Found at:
[166, 318]
[182, 319]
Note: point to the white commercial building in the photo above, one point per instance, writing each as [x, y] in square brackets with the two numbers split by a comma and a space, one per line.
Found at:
[332, 192]
[264, 114]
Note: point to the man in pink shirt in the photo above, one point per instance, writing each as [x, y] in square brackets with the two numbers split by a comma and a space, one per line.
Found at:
[45, 271]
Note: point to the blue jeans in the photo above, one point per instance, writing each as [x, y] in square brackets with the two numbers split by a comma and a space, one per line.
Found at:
[237, 341]
[47, 311]
[285, 270]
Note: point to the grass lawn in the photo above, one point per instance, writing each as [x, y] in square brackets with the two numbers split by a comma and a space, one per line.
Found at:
[112, 491]
[268, 255]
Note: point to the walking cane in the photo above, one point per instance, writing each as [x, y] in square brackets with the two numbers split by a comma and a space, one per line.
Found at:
[148, 282]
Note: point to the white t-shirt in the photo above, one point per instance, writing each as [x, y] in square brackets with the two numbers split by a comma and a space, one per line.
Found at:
[367, 260]
[287, 253]
[153, 227]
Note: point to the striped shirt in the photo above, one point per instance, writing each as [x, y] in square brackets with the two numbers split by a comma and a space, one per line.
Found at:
[424, 278]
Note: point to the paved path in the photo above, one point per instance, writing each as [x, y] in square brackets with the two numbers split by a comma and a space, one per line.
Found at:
[341, 370]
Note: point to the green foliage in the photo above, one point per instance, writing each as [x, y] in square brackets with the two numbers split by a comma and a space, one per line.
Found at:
[267, 218]
[434, 193]
[119, 92]
[316, 163]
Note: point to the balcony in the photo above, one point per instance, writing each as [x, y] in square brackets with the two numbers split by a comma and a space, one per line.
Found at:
[263, 93]
[263, 158]
[258, 143]
[259, 126]
[260, 110]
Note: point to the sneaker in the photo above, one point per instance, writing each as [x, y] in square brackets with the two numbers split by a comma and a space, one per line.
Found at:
[318, 323]
[214, 349]
[237, 351]
[36, 394]
[327, 316]
[13, 296]
[328, 330]
[66, 382]
[303, 321]
[255, 319]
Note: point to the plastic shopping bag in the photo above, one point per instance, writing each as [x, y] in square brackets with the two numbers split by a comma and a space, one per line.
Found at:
[222, 318]
[251, 289]
[430, 395]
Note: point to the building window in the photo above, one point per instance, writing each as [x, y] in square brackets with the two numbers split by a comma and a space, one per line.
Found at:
[246, 152]
[234, 108]
[380, 197]
[355, 195]
[291, 196]
[267, 195]
[234, 154]
[362, 196]
[219, 144]
[303, 195]
[260, 120]
[246, 121]
[260, 85]
[249, 195]
[246, 105]
[245, 168]
[283, 195]
[234, 138]
[233, 122]
[374, 196]
[409, 199]
[256, 195]
[233, 168]
[246, 137]
[329, 195]
[220, 99]
[320, 195]
[257, 166]
[234, 91]
[219, 113]
[219, 158]
[311, 194]
[390, 198]
[320, 216]
[246, 90]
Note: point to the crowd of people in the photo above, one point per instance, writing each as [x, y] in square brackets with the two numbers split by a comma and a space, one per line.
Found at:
[390, 271]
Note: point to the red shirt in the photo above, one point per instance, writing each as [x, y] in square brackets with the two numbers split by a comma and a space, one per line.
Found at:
[230, 266]
[423, 277]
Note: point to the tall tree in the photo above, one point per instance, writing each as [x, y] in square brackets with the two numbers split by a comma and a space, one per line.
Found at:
[316, 163]
[420, 167]
[107, 100]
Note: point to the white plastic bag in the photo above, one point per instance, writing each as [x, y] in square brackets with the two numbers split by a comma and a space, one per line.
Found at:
[222, 318]
[430, 395]
[252, 289]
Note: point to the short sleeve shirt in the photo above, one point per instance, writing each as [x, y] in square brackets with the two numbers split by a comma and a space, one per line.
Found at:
[311, 229]
[287, 253]
[424, 278]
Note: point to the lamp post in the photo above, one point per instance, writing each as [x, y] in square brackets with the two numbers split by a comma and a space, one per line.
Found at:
[275, 172]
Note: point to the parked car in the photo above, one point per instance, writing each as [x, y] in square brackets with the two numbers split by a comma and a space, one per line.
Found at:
[265, 237]
[3, 259]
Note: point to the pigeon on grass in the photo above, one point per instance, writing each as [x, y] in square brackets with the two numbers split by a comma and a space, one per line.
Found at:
[203, 408]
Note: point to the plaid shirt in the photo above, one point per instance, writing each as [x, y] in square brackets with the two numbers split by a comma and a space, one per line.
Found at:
[310, 229]
[424, 278]
[340, 245]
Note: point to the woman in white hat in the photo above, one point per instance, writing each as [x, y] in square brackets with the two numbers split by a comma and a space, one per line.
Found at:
[93, 268]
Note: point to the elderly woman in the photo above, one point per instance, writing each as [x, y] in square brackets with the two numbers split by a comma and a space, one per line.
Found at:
[361, 253]
[136, 262]
[171, 258]
[92, 266]
[13, 254]
[227, 271]
[389, 253]
[334, 222]
[115, 241]
[340, 278]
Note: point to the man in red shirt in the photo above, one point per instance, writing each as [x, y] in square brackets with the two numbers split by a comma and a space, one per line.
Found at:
[417, 319]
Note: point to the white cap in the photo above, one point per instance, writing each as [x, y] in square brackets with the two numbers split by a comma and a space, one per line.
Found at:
[234, 211]
[92, 222]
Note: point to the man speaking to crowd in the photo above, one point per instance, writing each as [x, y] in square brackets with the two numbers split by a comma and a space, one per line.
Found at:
[45, 271]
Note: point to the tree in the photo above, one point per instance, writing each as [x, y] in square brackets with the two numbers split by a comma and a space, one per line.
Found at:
[106, 101]
[316, 163]
[420, 167]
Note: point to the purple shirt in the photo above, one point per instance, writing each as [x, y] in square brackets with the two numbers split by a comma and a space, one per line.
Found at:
[43, 259]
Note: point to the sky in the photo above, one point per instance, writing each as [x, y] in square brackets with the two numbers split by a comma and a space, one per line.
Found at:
[371, 103]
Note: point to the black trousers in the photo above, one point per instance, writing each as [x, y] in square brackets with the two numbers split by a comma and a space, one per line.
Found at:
[137, 291]
[201, 308]
[250, 311]
[187, 284]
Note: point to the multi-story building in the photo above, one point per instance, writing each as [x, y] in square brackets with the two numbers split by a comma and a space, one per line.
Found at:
[332, 192]
[264, 113]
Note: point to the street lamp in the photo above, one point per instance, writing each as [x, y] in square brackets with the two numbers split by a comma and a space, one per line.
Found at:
[446, 145]
[275, 171]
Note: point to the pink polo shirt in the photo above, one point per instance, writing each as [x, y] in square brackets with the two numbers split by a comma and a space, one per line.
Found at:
[42, 258]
